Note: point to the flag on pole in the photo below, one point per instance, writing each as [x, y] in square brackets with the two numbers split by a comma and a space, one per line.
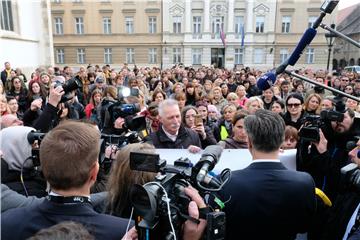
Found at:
[222, 36]
[242, 35]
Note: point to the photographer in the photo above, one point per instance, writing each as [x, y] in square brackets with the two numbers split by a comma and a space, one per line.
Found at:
[324, 159]
[343, 217]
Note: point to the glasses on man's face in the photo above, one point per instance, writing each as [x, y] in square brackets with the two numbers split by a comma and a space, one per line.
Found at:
[348, 88]
[295, 105]
[344, 80]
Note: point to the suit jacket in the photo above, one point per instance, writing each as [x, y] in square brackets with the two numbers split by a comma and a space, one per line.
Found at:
[21, 223]
[268, 201]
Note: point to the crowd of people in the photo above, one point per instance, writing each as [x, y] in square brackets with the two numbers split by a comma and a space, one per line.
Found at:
[182, 108]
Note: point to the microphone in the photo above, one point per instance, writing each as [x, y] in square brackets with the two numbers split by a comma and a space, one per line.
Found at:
[266, 81]
[207, 162]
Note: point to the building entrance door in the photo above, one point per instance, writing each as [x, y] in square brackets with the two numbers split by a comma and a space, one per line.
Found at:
[217, 57]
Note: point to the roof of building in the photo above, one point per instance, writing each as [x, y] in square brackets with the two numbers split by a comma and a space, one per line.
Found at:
[348, 20]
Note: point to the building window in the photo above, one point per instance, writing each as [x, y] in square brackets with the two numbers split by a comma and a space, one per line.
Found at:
[239, 24]
[260, 21]
[76, 1]
[60, 56]
[79, 25]
[129, 25]
[152, 24]
[152, 55]
[176, 24]
[310, 55]
[107, 25]
[81, 55]
[197, 25]
[176, 55]
[59, 29]
[7, 21]
[283, 54]
[239, 56]
[311, 21]
[258, 55]
[56, 1]
[107, 55]
[217, 25]
[196, 56]
[130, 55]
[285, 26]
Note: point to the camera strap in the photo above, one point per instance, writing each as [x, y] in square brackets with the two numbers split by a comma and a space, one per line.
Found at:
[68, 200]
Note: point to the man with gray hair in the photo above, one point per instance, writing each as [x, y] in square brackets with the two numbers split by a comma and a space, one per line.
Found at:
[266, 200]
[171, 133]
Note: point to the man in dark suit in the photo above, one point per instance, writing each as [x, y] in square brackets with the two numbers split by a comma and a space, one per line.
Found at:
[68, 156]
[266, 200]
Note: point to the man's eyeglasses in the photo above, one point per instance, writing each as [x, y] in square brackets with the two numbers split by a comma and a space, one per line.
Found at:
[290, 105]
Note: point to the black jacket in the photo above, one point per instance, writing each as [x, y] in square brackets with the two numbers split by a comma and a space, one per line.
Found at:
[185, 138]
[22, 223]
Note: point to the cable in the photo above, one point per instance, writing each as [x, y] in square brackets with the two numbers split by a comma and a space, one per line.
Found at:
[128, 225]
[225, 171]
[21, 176]
[167, 204]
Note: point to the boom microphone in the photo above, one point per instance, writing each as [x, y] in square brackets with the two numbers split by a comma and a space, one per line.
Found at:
[207, 162]
[266, 81]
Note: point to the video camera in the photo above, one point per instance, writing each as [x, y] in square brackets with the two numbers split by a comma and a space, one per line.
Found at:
[312, 123]
[68, 87]
[32, 137]
[350, 177]
[162, 204]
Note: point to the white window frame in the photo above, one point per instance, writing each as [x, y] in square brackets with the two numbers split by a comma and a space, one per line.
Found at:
[79, 25]
[176, 55]
[107, 55]
[239, 56]
[60, 56]
[59, 26]
[284, 54]
[80, 53]
[311, 20]
[238, 24]
[217, 24]
[196, 25]
[196, 56]
[259, 56]
[7, 16]
[285, 24]
[152, 56]
[177, 24]
[129, 25]
[130, 55]
[107, 25]
[152, 24]
[260, 24]
[310, 56]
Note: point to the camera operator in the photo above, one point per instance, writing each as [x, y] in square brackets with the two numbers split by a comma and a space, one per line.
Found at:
[324, 159]
[172, 134]
[16, 159]
[69, 161]
[343, 218]
[266, 200]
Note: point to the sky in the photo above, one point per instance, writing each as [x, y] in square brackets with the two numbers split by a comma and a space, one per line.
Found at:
[346, 3]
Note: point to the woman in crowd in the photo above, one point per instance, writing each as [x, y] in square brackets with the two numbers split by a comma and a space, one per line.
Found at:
[188, 117]
[312, 104]
[278, 106]
[91, 108]
[158, 96]
[353, 105]
[349, 89]
[294, 113]
[178, 87]
[4, 108]
[268, 98]
[36, 91]
[233, 98]
[190, 94]
[122, 178]
[19, 92]
[238, 139]
[219, 101]
[291, 138]
[181, 98]
[224, 127]
[151, 117]
[253, 104]
[208, 85]
[45, 80]
[327, 103]
[224, 89]
[241, 93]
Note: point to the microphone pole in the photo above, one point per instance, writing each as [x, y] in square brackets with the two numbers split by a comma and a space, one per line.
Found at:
[322, 85]
[339, 34]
